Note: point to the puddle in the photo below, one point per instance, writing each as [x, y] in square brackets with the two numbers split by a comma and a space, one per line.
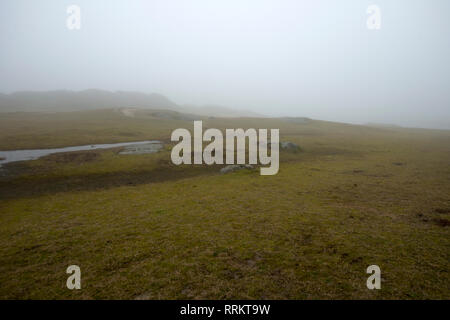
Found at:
[137, 147]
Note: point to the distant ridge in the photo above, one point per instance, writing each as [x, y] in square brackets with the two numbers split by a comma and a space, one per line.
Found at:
[91, 99]
[220, 111]
[381, 125]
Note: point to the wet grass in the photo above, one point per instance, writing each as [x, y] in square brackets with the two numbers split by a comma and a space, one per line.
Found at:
[140, 227]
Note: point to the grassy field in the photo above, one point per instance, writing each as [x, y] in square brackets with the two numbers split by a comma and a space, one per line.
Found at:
[141, 228]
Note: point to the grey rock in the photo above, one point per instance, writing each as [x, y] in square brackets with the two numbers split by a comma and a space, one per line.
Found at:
[235, 167]
[290, 146]
[287, 146]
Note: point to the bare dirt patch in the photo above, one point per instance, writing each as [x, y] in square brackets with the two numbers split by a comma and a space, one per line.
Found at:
[16, 187]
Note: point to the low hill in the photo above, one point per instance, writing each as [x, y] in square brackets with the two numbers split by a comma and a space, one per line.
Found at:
[93, 99]
[62, 100]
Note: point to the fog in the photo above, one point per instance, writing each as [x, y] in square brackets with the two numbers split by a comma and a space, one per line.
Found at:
[276, 57]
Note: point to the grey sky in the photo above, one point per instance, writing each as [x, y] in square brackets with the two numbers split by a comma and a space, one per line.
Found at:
[278, 57]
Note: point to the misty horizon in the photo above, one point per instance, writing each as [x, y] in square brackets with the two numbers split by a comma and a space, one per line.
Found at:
[275, 58]
[211, 105]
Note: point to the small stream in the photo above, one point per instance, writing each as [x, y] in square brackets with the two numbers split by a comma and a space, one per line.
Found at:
[134, 147]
